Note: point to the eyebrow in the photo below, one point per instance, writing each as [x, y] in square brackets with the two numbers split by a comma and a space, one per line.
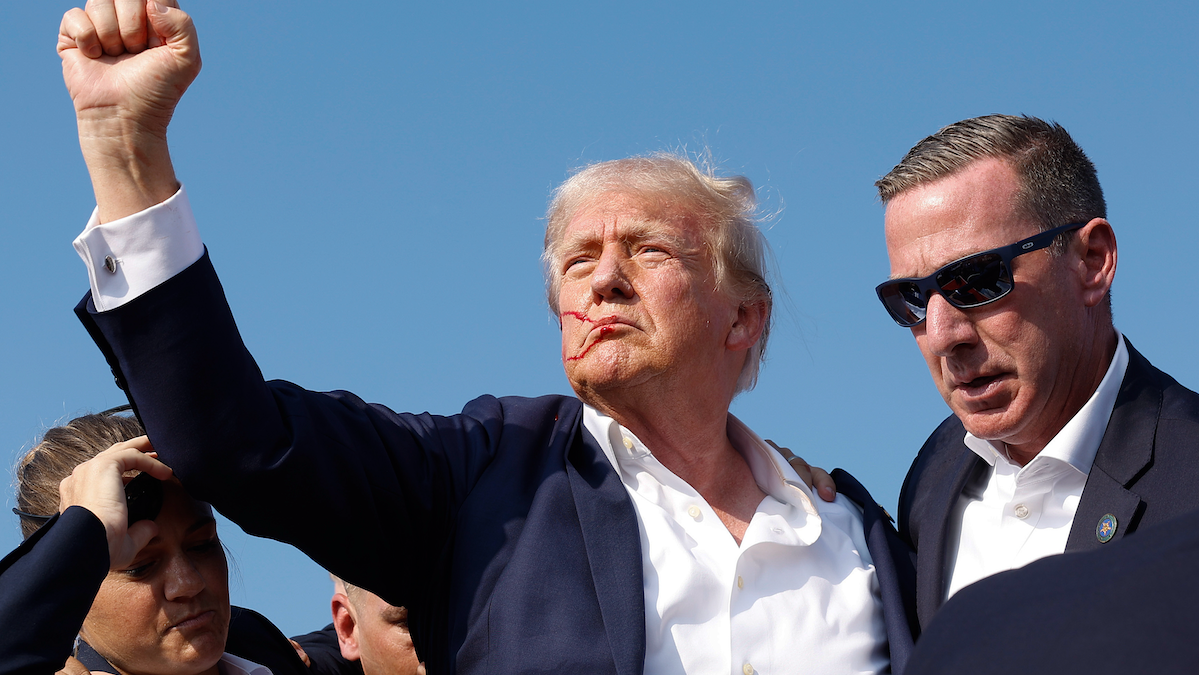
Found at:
[201, 524]
[634, 231]
[395, 614]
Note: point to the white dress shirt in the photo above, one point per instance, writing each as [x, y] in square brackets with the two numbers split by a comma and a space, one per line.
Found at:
[236, 665]
[799, 595]
[1013, 515]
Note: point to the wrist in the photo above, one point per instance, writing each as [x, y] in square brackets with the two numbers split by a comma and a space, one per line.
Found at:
[130, 166]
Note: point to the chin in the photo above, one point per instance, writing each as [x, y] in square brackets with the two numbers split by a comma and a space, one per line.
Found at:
[992, 424]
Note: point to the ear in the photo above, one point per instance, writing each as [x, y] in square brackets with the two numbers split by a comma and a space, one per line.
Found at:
[346, 626]
[748, 326]
[1097, 266]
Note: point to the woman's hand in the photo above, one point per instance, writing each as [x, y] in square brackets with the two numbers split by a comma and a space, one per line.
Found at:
[98, 485]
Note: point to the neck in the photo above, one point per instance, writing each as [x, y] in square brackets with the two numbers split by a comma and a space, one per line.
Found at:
[689, 436]
[1079, 386]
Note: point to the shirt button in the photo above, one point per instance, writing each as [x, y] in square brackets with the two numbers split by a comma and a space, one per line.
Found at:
[110, 264]
[628, 443]
[1021, 511]
[694, 512]
[747, 669]
[776, 530]
[740, 582]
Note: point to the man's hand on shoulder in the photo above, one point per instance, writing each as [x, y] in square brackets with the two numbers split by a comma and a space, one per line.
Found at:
[813, 476]
[126, 64]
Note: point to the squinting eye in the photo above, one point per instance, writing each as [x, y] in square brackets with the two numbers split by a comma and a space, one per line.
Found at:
[138, 571]
[573, 263]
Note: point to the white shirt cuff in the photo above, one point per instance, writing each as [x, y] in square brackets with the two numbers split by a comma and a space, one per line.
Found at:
[128, 257]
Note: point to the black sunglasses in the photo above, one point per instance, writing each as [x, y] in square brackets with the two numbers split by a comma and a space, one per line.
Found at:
[972, 281]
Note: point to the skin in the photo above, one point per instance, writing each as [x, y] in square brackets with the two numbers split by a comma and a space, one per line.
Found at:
[165, 607]
[376, 633]
[649, 340]
[126, 63]
[669, 380]
[1016, 370]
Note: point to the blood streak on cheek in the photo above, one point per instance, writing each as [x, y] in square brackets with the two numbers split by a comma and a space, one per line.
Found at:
[580, 316]
[604, 330]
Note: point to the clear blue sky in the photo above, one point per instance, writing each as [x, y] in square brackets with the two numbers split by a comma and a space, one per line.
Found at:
[370, 180]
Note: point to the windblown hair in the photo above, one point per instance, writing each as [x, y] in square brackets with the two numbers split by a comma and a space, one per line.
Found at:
[726, 206]
[60, 450]
[1058, 183]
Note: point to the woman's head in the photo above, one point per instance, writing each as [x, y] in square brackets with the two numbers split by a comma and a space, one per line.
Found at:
[54, 458]
[168, 611]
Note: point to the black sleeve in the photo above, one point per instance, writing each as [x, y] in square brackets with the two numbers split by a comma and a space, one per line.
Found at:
[325, 654]
[278, 459]
[47, 585]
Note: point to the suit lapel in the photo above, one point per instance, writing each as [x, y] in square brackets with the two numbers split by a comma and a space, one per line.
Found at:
[613, 541]
[1125, 451]
[932, 561]
[894, 569]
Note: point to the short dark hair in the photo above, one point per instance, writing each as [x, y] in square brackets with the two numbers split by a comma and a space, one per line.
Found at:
[1058, 183]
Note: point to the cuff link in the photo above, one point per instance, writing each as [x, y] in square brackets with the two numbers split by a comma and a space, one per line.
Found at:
[110, 264]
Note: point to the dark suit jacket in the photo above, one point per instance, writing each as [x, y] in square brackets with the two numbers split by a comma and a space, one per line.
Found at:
[47, 585]
[1146, 471]
[1128, 607]
[504, 529]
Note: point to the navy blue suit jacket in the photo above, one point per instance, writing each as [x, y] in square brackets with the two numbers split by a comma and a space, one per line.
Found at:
[47, 585]
[1128, 607]
[1146, 471]
[504, 529]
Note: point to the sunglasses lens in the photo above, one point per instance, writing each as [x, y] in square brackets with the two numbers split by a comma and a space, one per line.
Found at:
[975, 281]
[903, 301]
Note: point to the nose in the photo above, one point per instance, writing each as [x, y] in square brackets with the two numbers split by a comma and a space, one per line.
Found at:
[608, 279]
[946, 327]
[182, 580]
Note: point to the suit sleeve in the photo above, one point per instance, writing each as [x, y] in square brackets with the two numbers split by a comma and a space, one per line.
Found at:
[325, 653]
[47, 585]
[316, 470]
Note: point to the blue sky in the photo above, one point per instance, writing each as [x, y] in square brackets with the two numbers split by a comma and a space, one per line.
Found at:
[370, 183]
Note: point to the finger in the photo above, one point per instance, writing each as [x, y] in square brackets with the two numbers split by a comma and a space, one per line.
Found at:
[825, 486]
[73, 667]
[137, 454]
[173, 26]
[103, 15]
[140, 534]
[300, 652]
[131, 17]
[77, 32]
[123, 550]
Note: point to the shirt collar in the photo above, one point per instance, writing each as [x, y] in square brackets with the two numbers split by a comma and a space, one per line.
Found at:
[776, 477]
[236, 665]
[1076, 444]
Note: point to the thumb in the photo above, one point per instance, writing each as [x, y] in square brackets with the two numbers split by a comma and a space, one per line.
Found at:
[137, 536]
[169, 25]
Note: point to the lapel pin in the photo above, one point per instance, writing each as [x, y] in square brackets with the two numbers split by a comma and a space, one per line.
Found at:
[1106, 529]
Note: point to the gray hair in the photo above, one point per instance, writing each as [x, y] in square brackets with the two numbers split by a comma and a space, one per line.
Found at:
[1058, 183]
[725, 205]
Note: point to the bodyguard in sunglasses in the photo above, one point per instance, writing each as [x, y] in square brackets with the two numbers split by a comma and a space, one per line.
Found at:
[1063, 438]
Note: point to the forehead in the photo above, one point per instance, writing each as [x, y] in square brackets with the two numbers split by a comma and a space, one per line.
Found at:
[180, 512]
[973, 210]
[629, 215]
